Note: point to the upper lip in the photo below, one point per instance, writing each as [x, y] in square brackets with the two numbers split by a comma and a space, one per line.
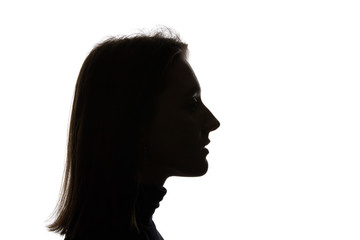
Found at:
[207, 142]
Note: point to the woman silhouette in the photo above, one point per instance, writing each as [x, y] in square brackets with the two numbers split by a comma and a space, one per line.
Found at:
[137, 119]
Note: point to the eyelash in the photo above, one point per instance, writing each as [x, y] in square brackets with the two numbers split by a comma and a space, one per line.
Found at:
[195, 104]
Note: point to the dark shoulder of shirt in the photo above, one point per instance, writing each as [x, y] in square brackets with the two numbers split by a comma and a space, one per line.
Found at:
[117, 236]
[148, 201]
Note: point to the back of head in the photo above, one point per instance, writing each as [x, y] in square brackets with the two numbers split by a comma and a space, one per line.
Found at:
[114, 102]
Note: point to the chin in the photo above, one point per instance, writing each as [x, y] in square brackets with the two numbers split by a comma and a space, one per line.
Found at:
[197, 171]
[203, 170]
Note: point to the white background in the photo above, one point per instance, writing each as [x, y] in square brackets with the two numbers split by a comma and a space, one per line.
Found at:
[282, 77]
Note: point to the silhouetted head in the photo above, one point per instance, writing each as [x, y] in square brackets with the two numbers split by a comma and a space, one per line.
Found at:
[137, 117]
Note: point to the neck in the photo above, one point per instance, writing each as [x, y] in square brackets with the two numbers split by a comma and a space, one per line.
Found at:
[151, 177]
[154, 180]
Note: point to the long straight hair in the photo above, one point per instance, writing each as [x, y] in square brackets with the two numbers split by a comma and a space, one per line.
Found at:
[114, 102]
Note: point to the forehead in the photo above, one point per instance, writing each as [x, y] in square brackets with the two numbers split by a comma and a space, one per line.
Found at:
[181, 79]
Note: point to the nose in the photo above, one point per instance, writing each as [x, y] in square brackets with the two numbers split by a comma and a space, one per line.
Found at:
[211, 123]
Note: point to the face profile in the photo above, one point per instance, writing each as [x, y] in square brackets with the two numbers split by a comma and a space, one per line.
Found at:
[137, 118]
[181, 127]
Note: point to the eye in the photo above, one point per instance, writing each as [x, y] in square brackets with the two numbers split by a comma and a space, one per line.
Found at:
[195, 104]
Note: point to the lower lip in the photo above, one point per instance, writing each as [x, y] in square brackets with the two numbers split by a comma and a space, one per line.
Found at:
[205, 151]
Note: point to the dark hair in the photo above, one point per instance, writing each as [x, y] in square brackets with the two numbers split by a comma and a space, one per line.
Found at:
[114, 102]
